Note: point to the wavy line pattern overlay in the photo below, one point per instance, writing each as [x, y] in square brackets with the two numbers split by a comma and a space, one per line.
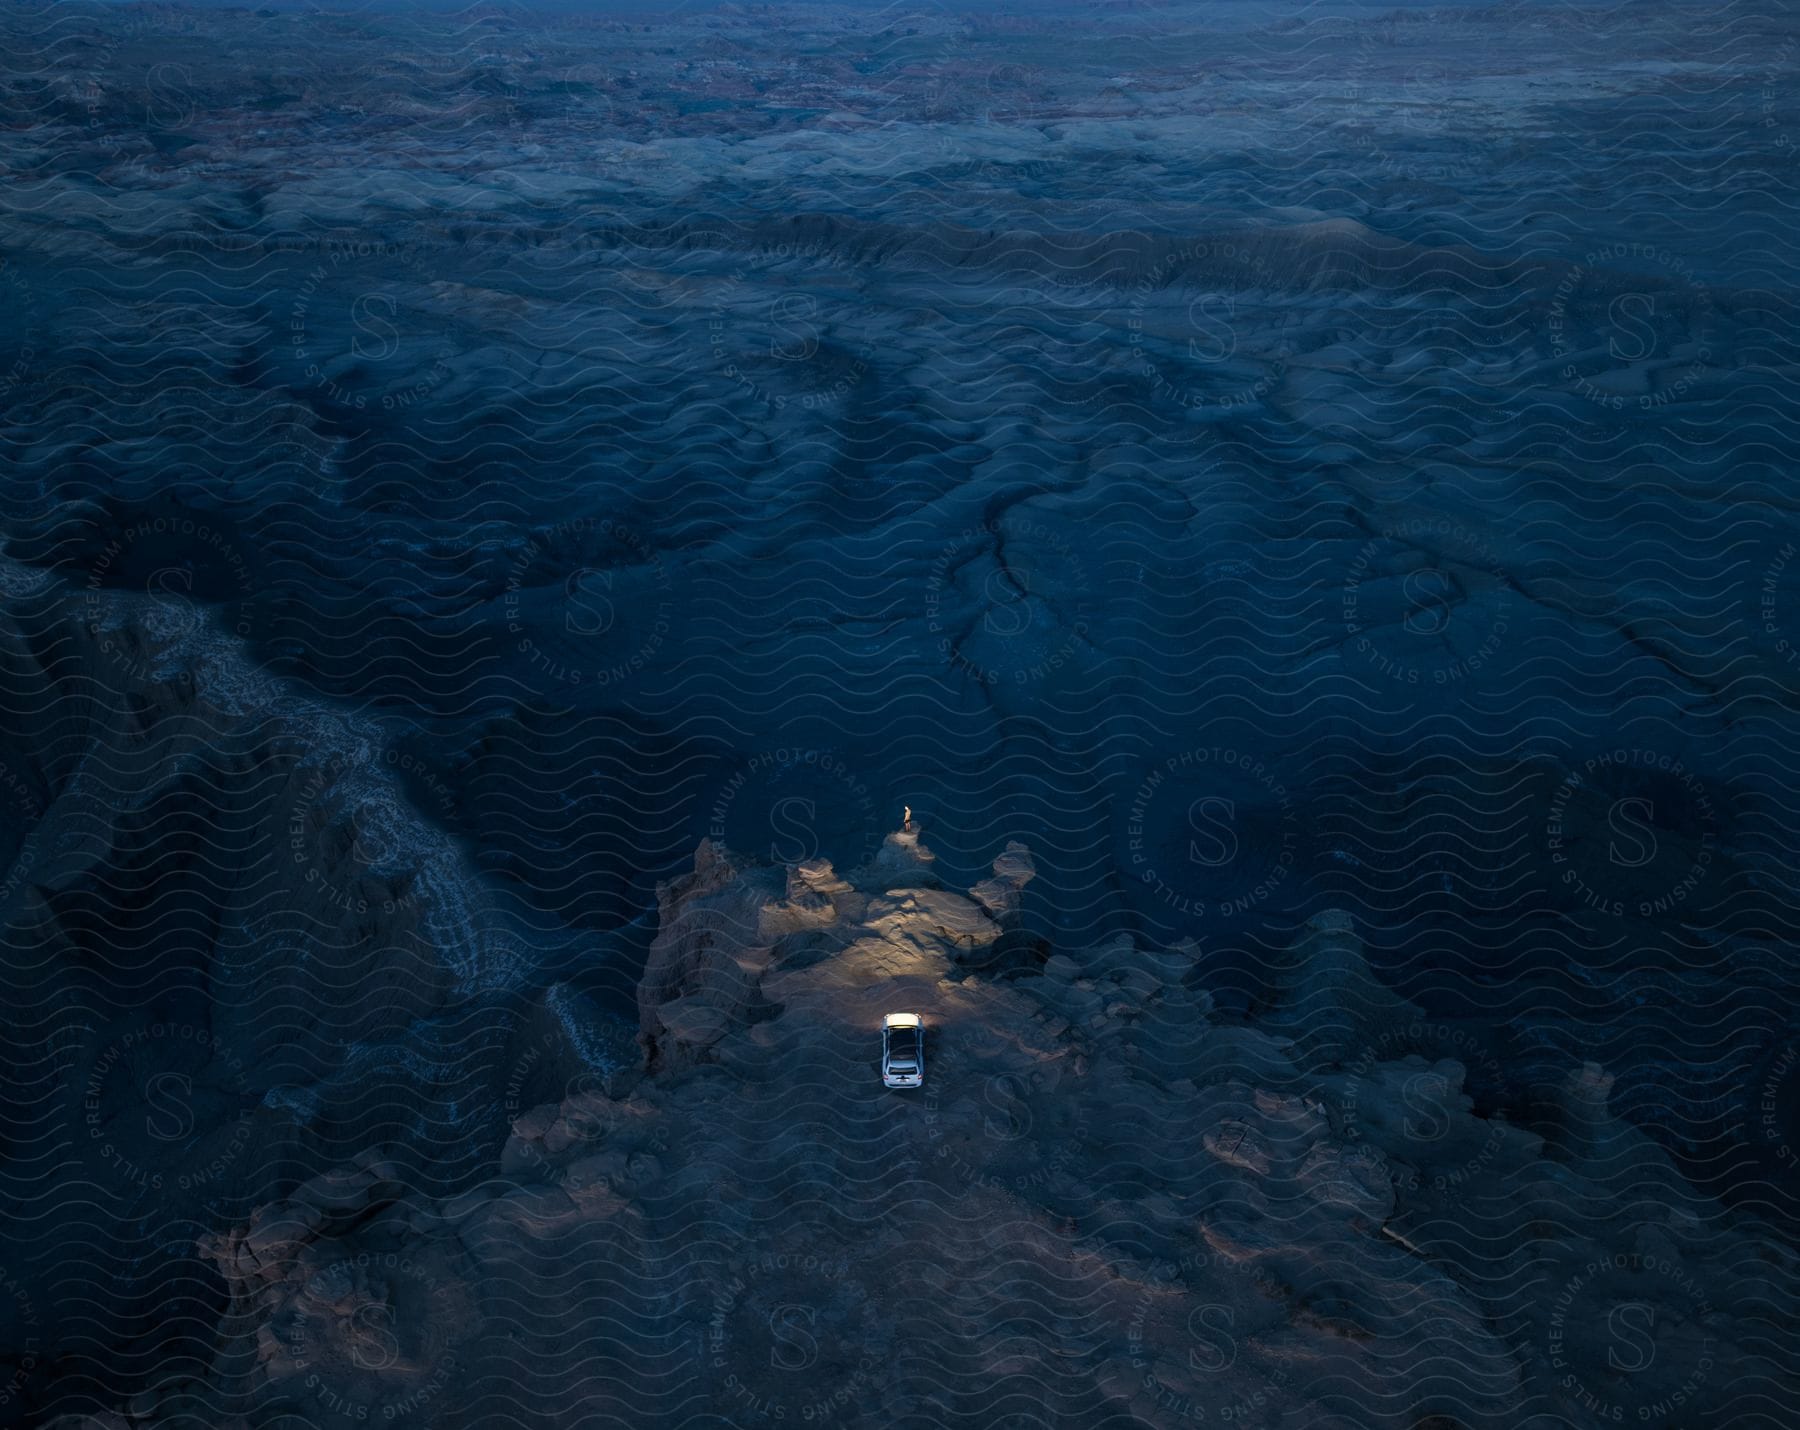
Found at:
[558, 563]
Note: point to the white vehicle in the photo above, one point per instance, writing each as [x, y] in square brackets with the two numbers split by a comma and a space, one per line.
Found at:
[902, 1050]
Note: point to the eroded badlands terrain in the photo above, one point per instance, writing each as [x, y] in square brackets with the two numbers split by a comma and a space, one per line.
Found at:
[1308, 488]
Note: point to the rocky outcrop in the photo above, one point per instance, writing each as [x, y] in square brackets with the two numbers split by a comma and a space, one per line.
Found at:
[1107, 1201]
[705, 963]
[1013, 870]
[1325, 994]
